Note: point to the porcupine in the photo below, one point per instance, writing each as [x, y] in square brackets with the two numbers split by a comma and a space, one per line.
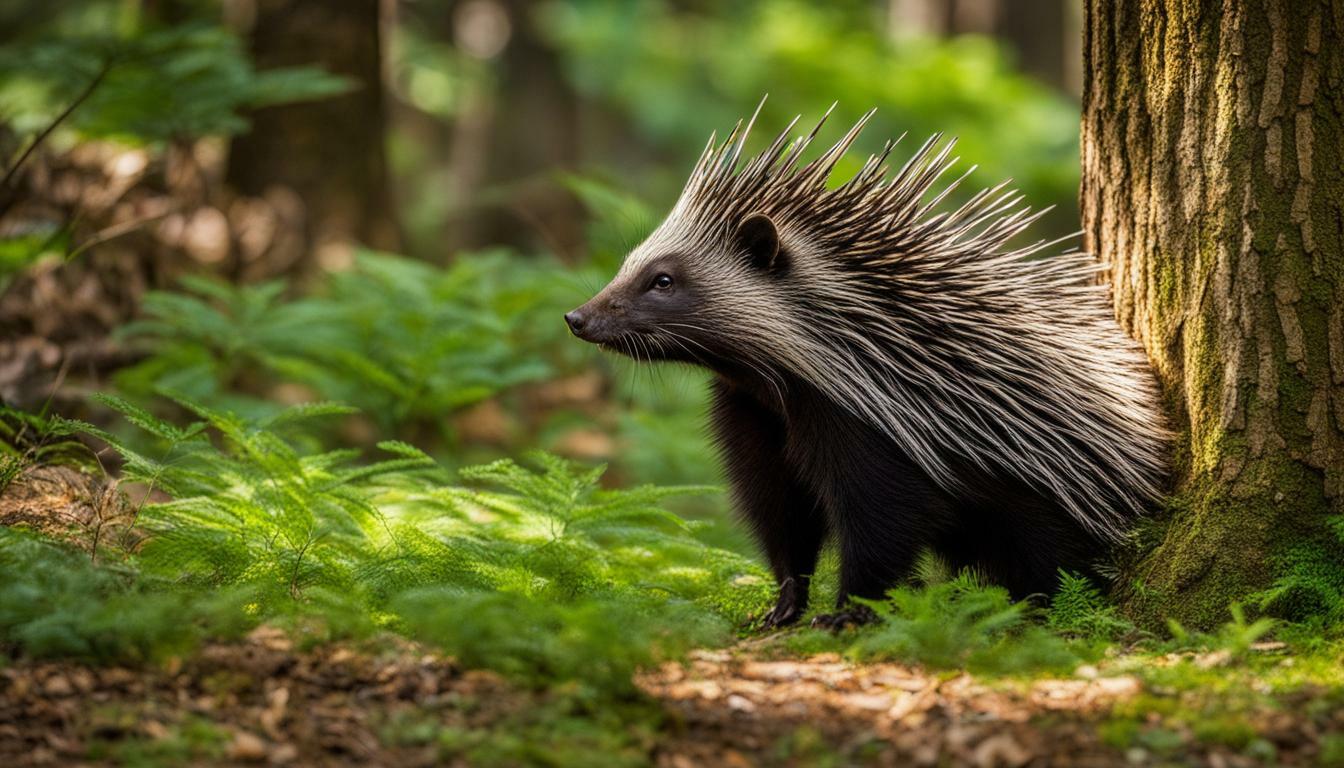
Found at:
[889, 375]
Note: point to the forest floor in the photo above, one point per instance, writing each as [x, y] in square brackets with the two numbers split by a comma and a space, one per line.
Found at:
[272, 699]
[265, 701]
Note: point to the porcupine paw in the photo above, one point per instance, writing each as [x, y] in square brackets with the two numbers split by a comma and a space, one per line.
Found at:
[784, 613]
[788, 608]
[851, 616]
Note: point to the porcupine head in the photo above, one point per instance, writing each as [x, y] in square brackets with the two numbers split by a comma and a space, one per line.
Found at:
[719, 283]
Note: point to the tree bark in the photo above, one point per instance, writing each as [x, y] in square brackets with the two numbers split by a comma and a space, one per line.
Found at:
[1213, 184]
[329, 152]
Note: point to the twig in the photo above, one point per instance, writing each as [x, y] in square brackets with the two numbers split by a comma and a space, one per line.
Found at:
[115, 231]
[41, 137]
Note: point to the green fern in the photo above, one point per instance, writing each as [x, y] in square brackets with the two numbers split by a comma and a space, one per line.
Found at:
[1234, 637]
[320, 540]
[961, 623]
[161, 84]
[403, 341]
[28, 439]
[1078, 609]
[55, 603]
[1311, 587]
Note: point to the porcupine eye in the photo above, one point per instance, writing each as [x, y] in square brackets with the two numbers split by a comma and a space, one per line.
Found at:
[661, 283]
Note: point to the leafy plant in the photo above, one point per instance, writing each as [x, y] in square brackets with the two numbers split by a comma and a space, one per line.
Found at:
[1234, 638]
[597, 644]
[404, 341]
[960, 624]
[156, 84]
[256, 512]
[1079, 609]
[55, 602]
[20, 251]
[536, 572]
[30, 439]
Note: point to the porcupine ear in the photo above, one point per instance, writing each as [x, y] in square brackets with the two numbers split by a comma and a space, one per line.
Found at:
[758, 235]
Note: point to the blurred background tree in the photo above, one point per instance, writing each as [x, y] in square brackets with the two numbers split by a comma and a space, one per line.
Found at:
[192, 188]
[331, 152]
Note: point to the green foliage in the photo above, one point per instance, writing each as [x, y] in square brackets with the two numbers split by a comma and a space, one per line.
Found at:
[565, 732]
[1311, 587]
[254, 512]
[28, 439]
[1079, 609]
[1332, 750]
[620, 220]
[1235, 638]
[409, 344]
[193, 742]
[20, 251]
[597, 644]
[537, 572]
[961, 624]
[157, 84]
[681, 72]
[404, 341]
[54, 602]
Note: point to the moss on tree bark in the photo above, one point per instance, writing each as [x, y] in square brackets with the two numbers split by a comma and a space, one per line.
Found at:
[1213, 184]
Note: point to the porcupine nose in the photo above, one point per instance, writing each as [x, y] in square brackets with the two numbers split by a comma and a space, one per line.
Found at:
[576, 321]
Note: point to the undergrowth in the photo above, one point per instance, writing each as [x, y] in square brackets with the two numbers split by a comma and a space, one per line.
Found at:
[406, 342]
[954, 620]
[531, 570]
[1311, 589]
[528, 568]
[961, 623]
[55, 602]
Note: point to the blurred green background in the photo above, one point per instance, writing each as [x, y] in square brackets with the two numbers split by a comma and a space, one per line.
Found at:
[253, 203]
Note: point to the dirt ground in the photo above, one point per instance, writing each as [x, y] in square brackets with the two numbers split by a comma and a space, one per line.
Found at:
[741, 707]
[733, 708]
[264, 702]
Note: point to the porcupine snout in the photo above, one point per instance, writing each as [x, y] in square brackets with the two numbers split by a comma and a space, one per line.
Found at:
[595, 321]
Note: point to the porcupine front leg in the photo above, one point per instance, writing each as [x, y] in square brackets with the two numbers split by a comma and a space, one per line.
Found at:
[881, 532]
[883, 508]
[784, 516]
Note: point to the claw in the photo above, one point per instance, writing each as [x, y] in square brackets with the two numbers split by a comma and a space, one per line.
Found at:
[788, 608]
[781, 616]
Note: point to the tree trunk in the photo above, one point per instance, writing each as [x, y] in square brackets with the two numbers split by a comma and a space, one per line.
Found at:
[331, 151]
[1213, 184]
[520, 129]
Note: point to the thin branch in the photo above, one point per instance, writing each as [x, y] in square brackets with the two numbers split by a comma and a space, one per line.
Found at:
[41, 137]
[117, 230]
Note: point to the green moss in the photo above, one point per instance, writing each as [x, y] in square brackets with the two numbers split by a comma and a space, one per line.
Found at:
[193, 741]
[1227, 542]
[1229, 730]
[1120, 733]
[1332, 750]
[1189, 577]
